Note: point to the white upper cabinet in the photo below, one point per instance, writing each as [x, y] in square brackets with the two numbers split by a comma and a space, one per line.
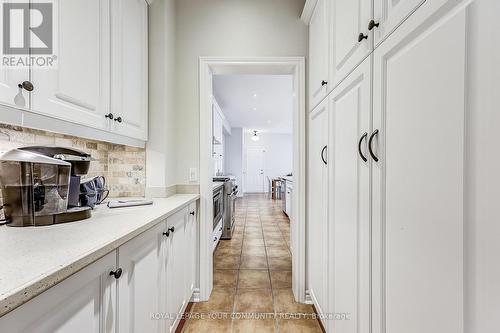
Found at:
[10, 92]
[388, 14]
[100, 80]
[83, 303]
[419, 79]
[78, 89]
[318, 53]
[351, 41]
[129, 81]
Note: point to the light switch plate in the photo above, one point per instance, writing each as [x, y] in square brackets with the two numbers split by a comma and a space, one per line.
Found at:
[193, 174]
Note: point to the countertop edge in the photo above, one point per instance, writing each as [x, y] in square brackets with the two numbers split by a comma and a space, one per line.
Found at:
[28, 291]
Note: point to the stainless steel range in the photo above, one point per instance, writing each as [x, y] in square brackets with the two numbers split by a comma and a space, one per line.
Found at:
[230, 196]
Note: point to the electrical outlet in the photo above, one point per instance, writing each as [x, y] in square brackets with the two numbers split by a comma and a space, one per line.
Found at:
[193, 174]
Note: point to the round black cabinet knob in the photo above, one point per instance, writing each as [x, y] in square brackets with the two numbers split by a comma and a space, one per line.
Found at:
[372, 25]
[110, 116]
[26, 85]
[118, 119]
[116, 273]
[361, 37]
[324, 83]
[191, 213]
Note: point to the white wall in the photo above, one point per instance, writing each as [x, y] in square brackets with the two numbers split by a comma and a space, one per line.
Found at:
[279, 153]
[234, 156]
[161, 147]
[238, 28]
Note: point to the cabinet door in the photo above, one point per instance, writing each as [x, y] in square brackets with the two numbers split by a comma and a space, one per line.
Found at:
[10, 93]
[129, 93]
[349, 197]
[78, 89]
[419, 110]
[85, 302]
[191, 250]
[175, 266]
[390, 14]
[318, 53]
[350, 18]
[141, 288]
[318, 205]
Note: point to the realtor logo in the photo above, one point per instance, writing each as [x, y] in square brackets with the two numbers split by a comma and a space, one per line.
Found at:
[28, 34]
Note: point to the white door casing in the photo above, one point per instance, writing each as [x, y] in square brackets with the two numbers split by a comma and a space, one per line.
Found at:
[255, 170]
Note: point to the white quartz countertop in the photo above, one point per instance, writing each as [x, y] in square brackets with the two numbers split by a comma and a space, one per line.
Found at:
[33, 259]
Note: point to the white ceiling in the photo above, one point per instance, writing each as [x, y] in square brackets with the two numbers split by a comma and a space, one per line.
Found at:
[256, 102]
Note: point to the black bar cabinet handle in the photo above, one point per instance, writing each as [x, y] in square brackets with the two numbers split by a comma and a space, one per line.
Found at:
[375, 158]
[364, 136]
[323, 154]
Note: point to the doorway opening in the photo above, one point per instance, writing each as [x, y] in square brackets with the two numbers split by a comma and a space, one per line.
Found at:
[258, 180]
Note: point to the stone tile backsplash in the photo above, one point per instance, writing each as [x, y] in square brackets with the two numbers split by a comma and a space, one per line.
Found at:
[124, 167]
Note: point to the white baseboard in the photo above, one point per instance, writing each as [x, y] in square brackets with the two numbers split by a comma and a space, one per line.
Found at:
[196, 295]
[310, 296]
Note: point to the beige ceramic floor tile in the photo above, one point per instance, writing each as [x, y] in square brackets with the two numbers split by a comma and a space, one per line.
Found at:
[253, 262]
[225, 278]
[207, 325]
[256, 279]
[299, 326]
[221, 300]
[281, 279]
[254, 326]
[280, 264]
[226, 262]
[254, 300]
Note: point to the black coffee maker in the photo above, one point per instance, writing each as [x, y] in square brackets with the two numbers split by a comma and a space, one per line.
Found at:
[80, 164]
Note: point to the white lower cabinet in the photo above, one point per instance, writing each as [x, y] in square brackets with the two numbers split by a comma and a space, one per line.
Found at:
[143, 286]
[83, 303]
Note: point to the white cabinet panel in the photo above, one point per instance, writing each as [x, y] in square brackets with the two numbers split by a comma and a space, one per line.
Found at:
[129, 93]
[389, 14]
[318, 206]
[419, 109]
[141, 288]
[176, 264]
[78, 90]
[190, 250]
[83, 303]
[318, 53]
[349, 19]
[349, 197]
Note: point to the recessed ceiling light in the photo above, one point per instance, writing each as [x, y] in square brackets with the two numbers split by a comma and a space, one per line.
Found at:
[255, 109]
[254, 95]
[269, 121]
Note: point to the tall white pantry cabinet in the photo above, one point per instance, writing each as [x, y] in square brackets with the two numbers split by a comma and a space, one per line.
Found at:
[387, 175]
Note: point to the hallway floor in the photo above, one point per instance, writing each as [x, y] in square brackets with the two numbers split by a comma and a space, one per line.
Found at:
[253, 277]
